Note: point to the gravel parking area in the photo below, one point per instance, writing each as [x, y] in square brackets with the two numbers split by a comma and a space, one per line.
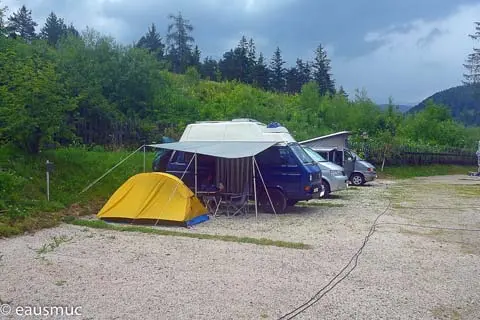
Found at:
[405, 271]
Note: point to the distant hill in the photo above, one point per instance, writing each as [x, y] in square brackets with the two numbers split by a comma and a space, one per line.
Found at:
[464, 105]
[401, 107]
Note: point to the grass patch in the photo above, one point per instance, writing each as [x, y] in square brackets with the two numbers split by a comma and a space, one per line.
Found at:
[99, 224]
[23, 203]
[55, 243]
[407, 172]
[321, 204]
[467, 190]
[443, 312]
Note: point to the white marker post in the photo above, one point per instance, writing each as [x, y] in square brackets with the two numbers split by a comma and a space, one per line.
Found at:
[49, 169]
[478, 156]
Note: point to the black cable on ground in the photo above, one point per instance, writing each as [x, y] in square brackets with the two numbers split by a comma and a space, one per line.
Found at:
[323, 291]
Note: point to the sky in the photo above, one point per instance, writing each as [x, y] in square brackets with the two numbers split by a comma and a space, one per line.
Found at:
[405, 50]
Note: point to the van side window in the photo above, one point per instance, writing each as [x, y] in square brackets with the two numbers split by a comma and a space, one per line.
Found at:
[338, 158]
[348, 155]
[286, 156]
[182, 157]
[271, 156]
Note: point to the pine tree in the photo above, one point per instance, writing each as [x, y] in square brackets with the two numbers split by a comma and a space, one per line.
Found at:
[472, 77]
[21, 24]
[53, 29]
[195, 61]
[342, 92]
[261, 73]
[321, 72]
[3, 12]
[72, 31]
[241, 59]
[251, 61]
[179, 42]
[152, 42]
[277, 71]
[235, 64]
[304, 72]
[292, 78]
[209, 69]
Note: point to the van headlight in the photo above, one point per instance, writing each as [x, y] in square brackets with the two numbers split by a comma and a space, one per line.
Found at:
[336, 173]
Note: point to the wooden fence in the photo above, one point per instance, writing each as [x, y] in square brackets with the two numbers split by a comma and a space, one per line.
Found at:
[402, 155]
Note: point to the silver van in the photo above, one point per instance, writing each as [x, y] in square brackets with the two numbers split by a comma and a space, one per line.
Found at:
[333, 176]
[356, 169]
[334, 148]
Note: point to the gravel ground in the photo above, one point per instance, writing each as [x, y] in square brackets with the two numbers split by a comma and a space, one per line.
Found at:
[404, 272]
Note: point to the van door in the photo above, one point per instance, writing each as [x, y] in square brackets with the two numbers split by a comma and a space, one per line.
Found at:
[349, 163]
[279, 168]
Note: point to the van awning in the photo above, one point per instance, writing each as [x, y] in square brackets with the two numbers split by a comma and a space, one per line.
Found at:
[220, 149]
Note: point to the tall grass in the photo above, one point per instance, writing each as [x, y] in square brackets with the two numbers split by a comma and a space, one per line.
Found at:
[407, 172]
[23, 200]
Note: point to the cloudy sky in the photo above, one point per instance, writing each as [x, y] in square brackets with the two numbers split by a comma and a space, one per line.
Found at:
[405, 49]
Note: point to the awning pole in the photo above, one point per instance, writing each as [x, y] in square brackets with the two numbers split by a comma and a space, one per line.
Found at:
[144, 159]
[266, 190]
[254, 187]
[195, 155]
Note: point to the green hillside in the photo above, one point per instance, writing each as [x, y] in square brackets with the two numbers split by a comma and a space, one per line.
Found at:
[462, 101]
[63, 95]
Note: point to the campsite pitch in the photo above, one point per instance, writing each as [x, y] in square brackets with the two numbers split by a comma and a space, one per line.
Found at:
[407, 270]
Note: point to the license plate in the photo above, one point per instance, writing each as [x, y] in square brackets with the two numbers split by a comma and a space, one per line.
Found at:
[315, 190]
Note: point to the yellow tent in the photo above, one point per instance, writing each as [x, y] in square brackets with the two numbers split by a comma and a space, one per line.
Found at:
[154, 196]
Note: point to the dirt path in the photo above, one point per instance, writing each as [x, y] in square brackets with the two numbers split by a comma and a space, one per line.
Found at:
[404, 272]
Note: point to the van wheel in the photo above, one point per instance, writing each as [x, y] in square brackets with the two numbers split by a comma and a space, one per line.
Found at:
[327, 190]
[278, 199]
[357, 179]
[291, 202]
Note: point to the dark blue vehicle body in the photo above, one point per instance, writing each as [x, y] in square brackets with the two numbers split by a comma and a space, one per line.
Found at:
[288, 172]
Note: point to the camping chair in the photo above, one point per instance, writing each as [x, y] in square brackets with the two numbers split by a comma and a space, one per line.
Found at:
[238, 203]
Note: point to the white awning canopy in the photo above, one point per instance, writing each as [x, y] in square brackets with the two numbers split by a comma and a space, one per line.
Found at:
[221, 149]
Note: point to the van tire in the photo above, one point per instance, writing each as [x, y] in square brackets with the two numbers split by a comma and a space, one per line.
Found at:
[291, 203]
[327, 189]
[278, 198]
[357, 179]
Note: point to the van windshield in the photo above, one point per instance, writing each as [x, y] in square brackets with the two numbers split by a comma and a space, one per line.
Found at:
[315, 156]
[301, 154]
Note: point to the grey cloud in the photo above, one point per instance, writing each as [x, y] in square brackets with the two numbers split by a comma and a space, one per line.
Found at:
[424, 41]
[296, 26]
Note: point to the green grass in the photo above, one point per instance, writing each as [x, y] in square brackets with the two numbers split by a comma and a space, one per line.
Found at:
[99, 224]
[467, 191]
[320, 204]
[408, 172]
[23, 203]
[55, 243]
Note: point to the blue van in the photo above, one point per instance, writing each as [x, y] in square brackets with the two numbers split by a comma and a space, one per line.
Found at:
[288, 172]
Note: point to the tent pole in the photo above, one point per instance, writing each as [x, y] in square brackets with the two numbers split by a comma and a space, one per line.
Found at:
[144, 160]
[254, 187]
[195, 155]
[266, 190]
